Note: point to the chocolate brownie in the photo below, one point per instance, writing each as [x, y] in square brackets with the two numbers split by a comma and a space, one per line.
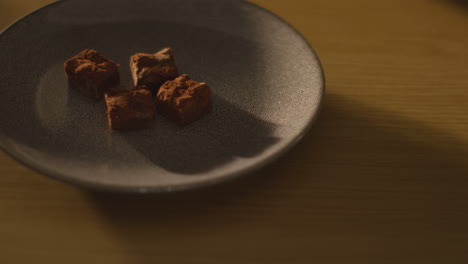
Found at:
[91, 73]
[183, 100]
[153, 69]
[129, 109]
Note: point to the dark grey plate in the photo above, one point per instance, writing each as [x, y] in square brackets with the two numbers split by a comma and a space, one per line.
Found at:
[266, 79]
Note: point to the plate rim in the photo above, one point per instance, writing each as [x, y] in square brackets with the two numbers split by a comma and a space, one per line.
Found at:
[94, 186]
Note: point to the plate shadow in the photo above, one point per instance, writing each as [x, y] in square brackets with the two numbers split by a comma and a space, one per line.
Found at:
[224, 134]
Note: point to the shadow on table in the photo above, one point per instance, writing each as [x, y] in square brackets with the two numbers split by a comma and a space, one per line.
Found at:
[352, 164]
[461, 3]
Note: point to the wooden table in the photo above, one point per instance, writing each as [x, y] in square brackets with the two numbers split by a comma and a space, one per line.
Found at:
[381, 178]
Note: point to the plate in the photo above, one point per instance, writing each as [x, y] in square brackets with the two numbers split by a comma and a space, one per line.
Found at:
[266, 80]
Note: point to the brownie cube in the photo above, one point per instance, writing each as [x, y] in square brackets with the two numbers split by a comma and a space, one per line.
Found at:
[183, 100]
[153, 69]
[91, 73]
[130, 109]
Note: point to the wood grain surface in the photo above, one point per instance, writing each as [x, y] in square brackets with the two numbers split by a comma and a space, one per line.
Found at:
[381, 178]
